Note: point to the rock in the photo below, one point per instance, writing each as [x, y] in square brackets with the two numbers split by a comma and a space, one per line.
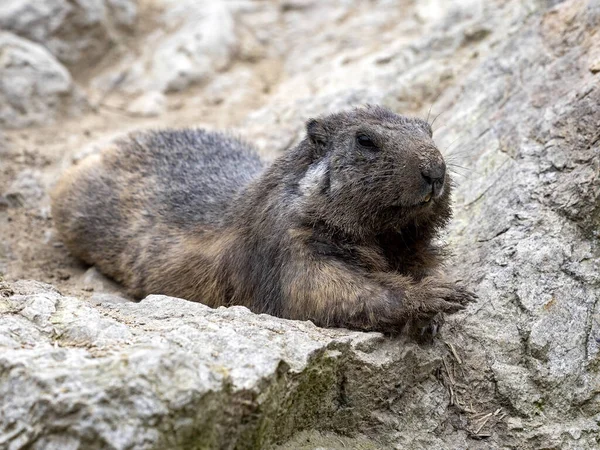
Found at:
[168, 373]
[526, 223]
[101, 297]
[93, 280]
[514, 423]
[328, 441]
[518, 93]
[34, 87]
[151, 104]
[74, 32]
[190, 43]
[26, 189]
[5, 203]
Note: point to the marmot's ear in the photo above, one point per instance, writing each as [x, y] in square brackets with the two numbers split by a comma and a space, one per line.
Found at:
[318, 134]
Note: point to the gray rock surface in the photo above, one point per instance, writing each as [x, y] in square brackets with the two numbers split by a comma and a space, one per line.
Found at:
[26, 188]
[73, 31]
[168, 373]
[518, 88]
[34, 87]
[190, 42]
[527, 223]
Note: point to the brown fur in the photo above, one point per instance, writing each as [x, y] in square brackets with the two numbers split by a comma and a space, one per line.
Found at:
[339, 230]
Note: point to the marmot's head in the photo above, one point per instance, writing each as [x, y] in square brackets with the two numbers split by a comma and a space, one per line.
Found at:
[373, 171]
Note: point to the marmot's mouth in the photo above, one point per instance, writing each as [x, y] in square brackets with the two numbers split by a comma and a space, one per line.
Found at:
[426, 201]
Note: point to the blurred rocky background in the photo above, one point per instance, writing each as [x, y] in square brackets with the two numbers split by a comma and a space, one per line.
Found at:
[515, 90]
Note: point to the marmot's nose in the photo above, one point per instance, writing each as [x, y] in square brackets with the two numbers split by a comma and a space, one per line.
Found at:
[434, 175]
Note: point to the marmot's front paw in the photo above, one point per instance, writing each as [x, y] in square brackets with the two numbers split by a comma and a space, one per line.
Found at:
[442, 297]
[426, 330]
[460, 294]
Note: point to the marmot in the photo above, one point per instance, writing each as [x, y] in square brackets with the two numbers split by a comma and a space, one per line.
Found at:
[338, 230]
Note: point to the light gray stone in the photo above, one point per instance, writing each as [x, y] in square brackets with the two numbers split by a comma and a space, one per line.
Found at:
[168, 373]
[93, 280]
[34, 87]
[26, 188]
[151, 104]
[191, 42]
[73, 32]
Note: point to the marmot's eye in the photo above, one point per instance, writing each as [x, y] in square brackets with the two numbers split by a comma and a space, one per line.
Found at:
[365, 141]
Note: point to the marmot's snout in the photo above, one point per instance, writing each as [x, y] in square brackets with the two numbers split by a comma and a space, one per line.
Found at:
[433, 174]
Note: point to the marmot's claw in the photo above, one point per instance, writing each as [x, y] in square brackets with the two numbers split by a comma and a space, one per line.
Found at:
[426, 330]
[444, 299]
[433, 307]
[464, 296]
[433, 327]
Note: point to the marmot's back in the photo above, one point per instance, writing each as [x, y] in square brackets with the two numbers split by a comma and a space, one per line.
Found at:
[188, 176]
[149, 184]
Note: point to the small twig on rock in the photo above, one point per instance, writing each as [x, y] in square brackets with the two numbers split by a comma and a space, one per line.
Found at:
[450, 377]
[453, 350]
[480, 436]
[485, 420]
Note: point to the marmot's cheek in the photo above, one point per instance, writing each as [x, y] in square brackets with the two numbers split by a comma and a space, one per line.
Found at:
[314, 178]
